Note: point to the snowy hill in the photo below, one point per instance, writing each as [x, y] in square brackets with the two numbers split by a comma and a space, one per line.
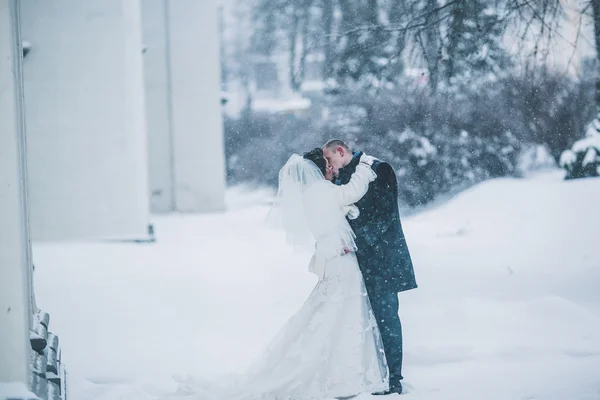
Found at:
[508, 305]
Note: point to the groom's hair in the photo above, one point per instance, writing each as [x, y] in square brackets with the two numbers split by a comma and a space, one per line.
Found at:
[333, 143]
[316, 156]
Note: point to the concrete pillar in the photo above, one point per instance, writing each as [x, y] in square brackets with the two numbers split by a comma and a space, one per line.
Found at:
[157, 85]
[186, 157]
[84, 94]
[15, 252]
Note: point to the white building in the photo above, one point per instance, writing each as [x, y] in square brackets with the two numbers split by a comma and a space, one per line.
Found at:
[97, 146]
[123, 114]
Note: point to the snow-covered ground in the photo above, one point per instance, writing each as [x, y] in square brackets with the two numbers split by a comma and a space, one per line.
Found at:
[508, 305]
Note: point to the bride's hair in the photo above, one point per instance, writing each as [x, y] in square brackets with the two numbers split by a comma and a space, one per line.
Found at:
[316, 156]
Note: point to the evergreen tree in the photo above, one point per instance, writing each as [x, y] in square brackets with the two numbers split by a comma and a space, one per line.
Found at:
[472, 46]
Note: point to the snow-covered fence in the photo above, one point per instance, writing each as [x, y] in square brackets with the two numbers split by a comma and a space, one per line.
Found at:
[48, 377]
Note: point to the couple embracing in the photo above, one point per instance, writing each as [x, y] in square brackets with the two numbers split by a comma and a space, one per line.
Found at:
[347, 338]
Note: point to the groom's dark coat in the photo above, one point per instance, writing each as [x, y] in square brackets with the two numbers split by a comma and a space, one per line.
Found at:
[382, 253]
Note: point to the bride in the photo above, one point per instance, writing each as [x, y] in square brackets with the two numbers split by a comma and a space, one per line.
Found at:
[331, 347]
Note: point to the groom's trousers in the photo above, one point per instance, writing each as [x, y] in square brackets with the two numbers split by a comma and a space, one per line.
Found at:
[385, 309]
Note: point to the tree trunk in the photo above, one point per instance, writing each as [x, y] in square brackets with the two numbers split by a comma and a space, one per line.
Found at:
[372, 13]
[430, 45]
[305, 50]
[328, 47]
[292, 37]
[454, 36]
[596, 14]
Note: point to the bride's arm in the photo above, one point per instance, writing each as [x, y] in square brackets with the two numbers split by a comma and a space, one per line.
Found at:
[354, 190]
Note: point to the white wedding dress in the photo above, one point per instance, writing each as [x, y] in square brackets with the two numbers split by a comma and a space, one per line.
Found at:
[331, 347]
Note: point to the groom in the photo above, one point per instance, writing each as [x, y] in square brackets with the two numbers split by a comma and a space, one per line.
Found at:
[382, 253]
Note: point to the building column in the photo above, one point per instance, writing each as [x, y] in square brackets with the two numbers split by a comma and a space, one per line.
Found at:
[86, 122]
[15, 251]
[185, 125]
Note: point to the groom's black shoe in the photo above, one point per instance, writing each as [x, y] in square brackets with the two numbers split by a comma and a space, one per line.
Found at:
[394, 390]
